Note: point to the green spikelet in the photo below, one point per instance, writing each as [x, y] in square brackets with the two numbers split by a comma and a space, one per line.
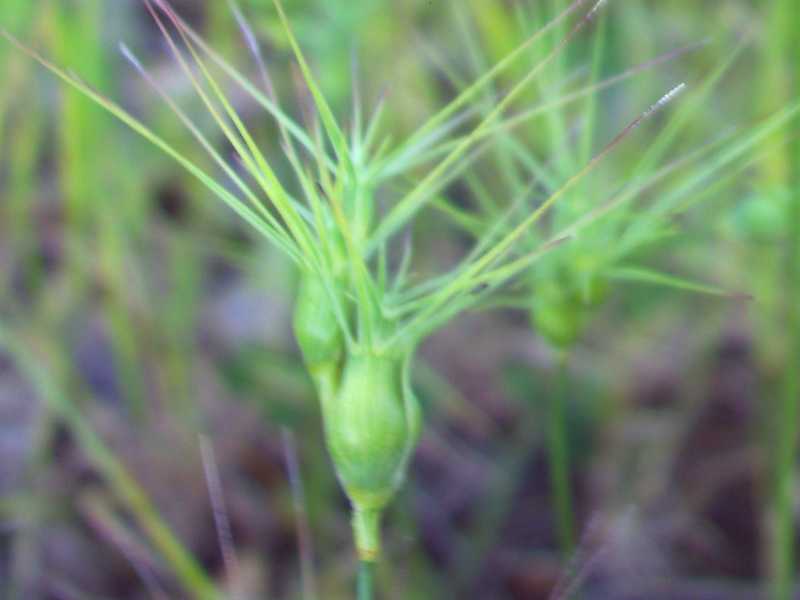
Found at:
[372, 425]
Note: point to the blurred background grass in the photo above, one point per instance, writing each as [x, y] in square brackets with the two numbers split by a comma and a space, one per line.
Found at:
[137, 315]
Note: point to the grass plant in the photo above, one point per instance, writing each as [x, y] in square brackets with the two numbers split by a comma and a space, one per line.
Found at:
[86, 164]
[358, 319]
[342, 200]
[781, 181]
[675, 173]
[20, 138]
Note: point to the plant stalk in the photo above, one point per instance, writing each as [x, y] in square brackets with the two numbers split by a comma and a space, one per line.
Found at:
[789, 427]
[558, 458]
[784, 552]
[367, 533]
[365, 585]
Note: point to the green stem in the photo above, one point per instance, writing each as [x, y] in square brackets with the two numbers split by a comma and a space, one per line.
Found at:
[365, 585]
[789, 428]
[784, 550]
[558, 455]
[367, 533]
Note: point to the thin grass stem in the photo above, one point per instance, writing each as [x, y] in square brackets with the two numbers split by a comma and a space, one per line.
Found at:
[365, 584]
[559, 460]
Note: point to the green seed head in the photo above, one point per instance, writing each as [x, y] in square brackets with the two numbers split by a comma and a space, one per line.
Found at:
[372, 425]
[315, 326]
[594, 291]
[564, 301]
[762, 219]
[558, 315]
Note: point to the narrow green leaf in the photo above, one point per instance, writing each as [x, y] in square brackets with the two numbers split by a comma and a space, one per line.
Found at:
[117, 111]
[468, 94]
[648, 276]
[335, 134]
[254, 160]
[415, 200]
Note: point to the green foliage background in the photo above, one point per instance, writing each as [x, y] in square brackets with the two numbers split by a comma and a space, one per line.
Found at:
[137, 314]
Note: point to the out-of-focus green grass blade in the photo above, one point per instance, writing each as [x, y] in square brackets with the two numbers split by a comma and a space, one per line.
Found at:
[739, 147]
[209, 182]
[649, 276]
[781, 84]
[410, 204]
[31, 364]
[517, 120]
